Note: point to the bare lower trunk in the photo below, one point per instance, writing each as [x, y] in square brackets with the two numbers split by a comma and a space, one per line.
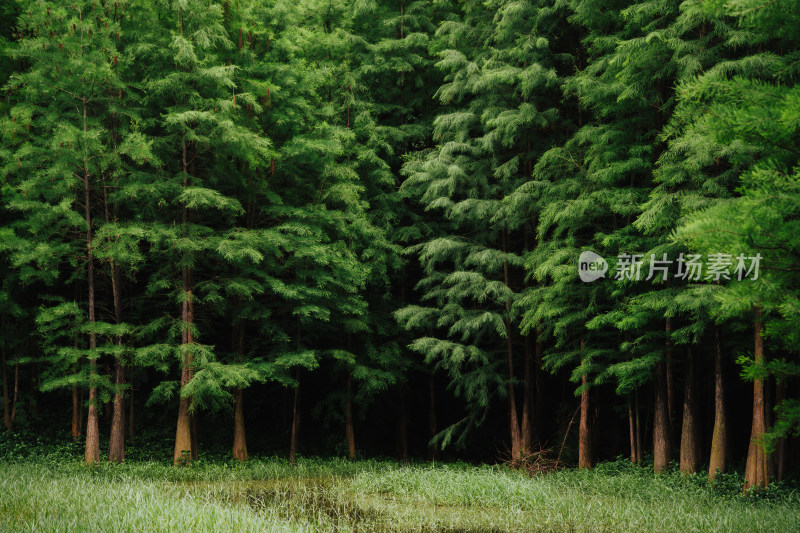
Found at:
[662, 445]
[780, 447]
[719, 440]
[239, 441]
[638, 428]
[183, 452]
[584, 430]
[6, 407]
[92, 451]
[539, 401]
[669, 382]
[194, 432]
[295, 418]
[131, 412]
[513, 419]
[526, 444]
[348, 420]
[76, 414]
[585, 459]
[116, 443]
[433, 450]
[690, 449]
[756, 472]
[16, 395]
[632, 429]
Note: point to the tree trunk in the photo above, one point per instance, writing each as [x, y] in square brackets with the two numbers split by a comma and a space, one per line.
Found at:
[756, 473]
[76, 415]
[670, 381]
[6, 407]
[638, 428]
[585, 459]
[632, 429]
[239, 441]
[183, 452]
[239, 437]
[433, 450]
[780, 448]
[131, 412]
[116, 444]
[92, 451]
[584, 430]
[513, 419]
[719, 440]
[16, 395]
[662, 445]
[183, 435]
[537, 404]
[690, 449]
[348, 419]
[295, 418]
[527, 400]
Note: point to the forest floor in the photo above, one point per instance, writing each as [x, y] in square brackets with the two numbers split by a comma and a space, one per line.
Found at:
[57, 493]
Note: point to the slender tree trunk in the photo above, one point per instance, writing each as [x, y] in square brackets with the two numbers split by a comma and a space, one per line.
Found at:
[669, 382]
[239, 441]
[527, 399]
[513, 419]
[585, 459]
[16, 395]
[92, 450]
[295, 418]
[662, 445]
[632, 430]
[239, 437]
[538, 402]
[76, 415]
[719, 440]
[183, 433]
[6, 407]
[690, 449]
[662, 428]
[116, 444]
[639, 448]
[433, 450]
[780, 449]
[348, 419]
[131, 419]
[756, 473]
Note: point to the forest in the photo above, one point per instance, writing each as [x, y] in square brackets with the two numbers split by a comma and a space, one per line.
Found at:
[554, 236]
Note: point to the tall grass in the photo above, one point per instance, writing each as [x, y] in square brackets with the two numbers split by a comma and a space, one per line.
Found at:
[54, 494]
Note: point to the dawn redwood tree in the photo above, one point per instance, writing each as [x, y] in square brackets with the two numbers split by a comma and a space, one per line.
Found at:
[59, 142]
[750, 111]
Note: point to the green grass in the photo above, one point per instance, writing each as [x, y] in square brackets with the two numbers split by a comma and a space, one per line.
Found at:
[58, 494]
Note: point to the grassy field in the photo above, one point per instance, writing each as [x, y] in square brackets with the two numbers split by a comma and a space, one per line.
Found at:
[58, 494]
